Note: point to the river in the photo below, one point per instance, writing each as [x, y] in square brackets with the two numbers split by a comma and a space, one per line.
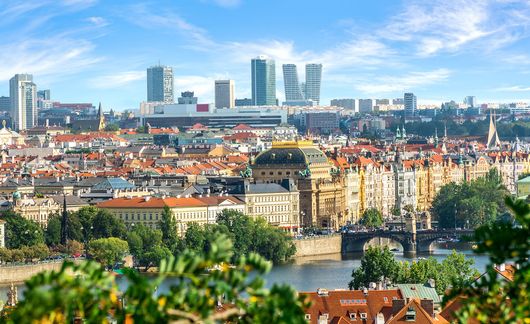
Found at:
[328, 271]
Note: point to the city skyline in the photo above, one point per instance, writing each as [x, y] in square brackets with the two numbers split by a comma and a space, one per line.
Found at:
[90, 51]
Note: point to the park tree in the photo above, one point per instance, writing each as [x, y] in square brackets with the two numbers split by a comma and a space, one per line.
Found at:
[168, 226]
[376, 264]
[371, 218]
[108, 251]
[491, 299]
[112, 128]
[84, 292]
[470, 204]
[52, 233]
[146, 246]
[106, 224]
[20, 231]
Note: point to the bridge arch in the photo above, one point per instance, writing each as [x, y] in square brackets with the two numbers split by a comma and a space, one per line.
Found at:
[356, 242]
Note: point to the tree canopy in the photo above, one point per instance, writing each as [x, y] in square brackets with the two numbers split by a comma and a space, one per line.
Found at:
[108, 251]
[492, 299]
[378, 264]
[20, 231]
[372, 218]
[146, 246]
[202, 281]
[470, 204]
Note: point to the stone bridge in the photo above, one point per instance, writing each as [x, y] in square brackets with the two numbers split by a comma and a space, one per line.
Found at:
[411, 242]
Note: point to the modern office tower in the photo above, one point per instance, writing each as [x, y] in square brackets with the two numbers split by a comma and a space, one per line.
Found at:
[160, 84]
[410, 104]
[366, 105]
[243, 102]
[397, 101]
[5, 104]
[224, 94]
[43, 94]
[23, 93]
[313, 78]
[344, 103]
[263, 79]
[293, 91]
[470, 101]
[187, 98]
[382, 102]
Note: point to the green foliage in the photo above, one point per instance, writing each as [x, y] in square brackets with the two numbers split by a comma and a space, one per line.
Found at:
[20, 231]
[52, 234]
[106, 224]
[473, 203]
[200, 282]
[371, 218]
[248, 235]
[112, 128]
[25, 253]
[376, 264]
[145, 244]
[495, 300]
[379, 265]
[108, 251]
[168, 226]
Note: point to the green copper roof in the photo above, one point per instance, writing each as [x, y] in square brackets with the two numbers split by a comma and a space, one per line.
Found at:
[419, 291]
[303, 156]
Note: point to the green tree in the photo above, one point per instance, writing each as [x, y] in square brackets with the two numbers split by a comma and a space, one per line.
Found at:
[108, 251]
[20, 231]
[145, 244]
[168, 226]
[491, 299]
[376, 264]
[86, 292]
[195, 237]
[470, 204]
[372, 218]
[106, 224]
[112, 128]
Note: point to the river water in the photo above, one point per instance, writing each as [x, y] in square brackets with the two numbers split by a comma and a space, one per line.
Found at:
[328, 271]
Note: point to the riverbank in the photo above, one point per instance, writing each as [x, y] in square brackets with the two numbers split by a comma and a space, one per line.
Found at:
[17, 274]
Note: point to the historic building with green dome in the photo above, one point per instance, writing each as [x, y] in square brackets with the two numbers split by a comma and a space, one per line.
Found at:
[322, 200]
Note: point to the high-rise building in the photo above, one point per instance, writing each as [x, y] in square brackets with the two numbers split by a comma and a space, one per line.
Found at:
[313, 78]
[43, 95]
[344, 103]
[5, 104]
[243, 102]
[397, 101]
[263, 79]
[470, 101]
[224, 94]
[23, 93]
[187, 98]
[366, 105]
[382, 102]
[410, 104]
[160, 84]
[293, 92]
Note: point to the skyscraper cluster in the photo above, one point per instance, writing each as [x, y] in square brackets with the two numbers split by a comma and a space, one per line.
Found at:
[308, 90]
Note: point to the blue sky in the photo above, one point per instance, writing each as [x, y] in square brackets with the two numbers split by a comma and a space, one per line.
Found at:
[91, 51]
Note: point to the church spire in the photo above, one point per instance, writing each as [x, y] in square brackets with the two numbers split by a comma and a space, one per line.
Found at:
[493, 136]
[64, 223]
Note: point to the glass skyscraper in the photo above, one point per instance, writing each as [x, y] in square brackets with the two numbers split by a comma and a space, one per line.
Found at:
[23, 94]
[313, 78]
[263, 74]
[293, 91]
[160, 84]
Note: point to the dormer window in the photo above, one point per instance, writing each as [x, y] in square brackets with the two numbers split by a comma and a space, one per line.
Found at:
[308, 317]
[353, 316]
[364, 315]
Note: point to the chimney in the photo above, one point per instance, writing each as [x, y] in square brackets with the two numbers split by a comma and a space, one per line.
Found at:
[428, 306]
[397, 305]
[432, 283]
[502, 267]
[147, 198]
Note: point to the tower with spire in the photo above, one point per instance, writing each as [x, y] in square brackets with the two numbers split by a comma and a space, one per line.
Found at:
[101, 118]
[493, 137]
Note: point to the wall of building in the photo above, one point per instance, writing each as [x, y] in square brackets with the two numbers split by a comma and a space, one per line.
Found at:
[318, 246]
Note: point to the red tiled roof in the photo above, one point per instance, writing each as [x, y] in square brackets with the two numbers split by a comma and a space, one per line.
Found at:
[152, 202]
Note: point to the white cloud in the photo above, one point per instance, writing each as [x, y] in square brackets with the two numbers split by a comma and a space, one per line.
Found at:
[412, 80]
[227, 3]
[516, 88]
[98, 21]
[117, 80]
[56, 55]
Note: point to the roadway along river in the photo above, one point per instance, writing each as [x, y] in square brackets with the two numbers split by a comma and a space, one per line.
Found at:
[329, 271]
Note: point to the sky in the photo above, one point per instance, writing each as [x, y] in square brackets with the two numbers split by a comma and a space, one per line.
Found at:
[98, 51]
